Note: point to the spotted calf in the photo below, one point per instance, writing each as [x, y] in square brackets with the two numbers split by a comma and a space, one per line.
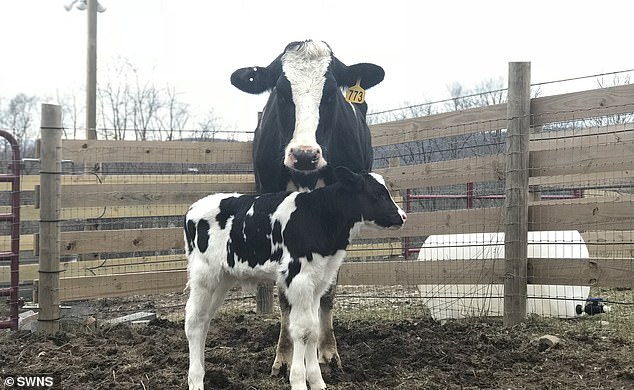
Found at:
[297, 239]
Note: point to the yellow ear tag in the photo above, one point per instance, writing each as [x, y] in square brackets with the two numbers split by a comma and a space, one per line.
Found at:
[355, 94]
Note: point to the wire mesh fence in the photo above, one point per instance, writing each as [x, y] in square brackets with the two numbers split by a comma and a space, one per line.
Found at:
[123, 204]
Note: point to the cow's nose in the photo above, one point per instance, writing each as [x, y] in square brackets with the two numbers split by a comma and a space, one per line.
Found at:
[305, 158]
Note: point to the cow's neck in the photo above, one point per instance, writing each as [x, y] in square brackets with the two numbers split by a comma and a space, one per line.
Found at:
[299, 181]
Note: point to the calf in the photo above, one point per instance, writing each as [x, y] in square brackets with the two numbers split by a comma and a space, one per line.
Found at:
[298, 239]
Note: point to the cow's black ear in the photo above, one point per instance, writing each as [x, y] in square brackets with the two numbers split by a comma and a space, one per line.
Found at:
[347, 76]
[348, 178]
[253, 80]
[369, 74]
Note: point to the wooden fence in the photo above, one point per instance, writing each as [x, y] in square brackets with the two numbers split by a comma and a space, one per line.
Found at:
[154, 261]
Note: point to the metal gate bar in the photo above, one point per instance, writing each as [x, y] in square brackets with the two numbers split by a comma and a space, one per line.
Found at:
[13, 218]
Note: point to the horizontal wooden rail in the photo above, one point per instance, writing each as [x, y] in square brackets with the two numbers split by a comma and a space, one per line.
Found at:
[443, 173]
[447, 124]
[613, 157]
[178, 152]
[30, 213]
[582, 214]
[131, 240]
[592, 136]
[584, 104]
[570, 214]
[30, 182]
[584, 180]
[117, 285]
[596, 272]
[29, 272]
[95, 195]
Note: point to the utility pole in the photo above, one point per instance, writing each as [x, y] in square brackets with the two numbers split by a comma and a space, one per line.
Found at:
[91, 72]
[91, 7]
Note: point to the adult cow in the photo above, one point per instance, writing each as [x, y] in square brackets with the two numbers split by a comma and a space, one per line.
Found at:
[307, 127]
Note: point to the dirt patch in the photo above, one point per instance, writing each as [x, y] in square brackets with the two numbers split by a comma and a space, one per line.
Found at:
[376, 354]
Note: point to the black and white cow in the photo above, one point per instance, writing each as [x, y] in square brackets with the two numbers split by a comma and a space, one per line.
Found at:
[307, 127]
[297, 239]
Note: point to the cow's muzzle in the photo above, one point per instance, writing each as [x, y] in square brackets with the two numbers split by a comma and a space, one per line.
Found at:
[304, 159]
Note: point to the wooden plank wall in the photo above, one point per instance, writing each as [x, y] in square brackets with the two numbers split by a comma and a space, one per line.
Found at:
[565, 158]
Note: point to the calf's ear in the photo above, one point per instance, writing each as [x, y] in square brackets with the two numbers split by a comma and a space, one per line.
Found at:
[348, 178]
[253, 80]
[347, 76]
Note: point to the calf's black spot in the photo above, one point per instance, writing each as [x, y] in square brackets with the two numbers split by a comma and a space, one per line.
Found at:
[190, 234]
[293, 269]
[203, 235]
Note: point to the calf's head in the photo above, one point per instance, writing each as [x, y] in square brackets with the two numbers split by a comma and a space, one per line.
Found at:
[305, 83]
[373, 198]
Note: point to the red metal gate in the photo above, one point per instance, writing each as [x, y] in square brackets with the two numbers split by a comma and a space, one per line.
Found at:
[13, 217]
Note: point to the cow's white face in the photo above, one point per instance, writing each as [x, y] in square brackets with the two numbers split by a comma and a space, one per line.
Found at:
[305, 67]
[306, 106]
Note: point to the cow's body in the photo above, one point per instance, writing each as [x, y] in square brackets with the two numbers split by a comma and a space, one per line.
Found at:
[297, 239]
[306, 128]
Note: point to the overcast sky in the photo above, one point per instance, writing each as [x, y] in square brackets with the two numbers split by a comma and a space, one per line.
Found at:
[195, 45]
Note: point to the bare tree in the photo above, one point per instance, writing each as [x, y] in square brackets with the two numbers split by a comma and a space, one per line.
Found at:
[209, 127]
[407, 111]
[146, 103]
[18, 117]
[486, 93]
[70, 114]
[175, 115]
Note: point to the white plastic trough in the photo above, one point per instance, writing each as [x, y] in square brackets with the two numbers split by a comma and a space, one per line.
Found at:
[468, 300]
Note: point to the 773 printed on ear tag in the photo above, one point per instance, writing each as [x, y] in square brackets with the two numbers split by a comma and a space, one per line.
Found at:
[355, 94]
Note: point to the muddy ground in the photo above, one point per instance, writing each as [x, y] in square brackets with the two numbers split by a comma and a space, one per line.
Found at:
[397, 352]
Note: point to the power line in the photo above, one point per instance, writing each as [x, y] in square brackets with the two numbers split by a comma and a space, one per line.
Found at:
[583, 77]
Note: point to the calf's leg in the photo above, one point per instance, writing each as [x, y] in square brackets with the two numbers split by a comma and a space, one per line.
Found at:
[284, 350]
[304, 331]
[327, 343]
[201, 305]
[313, 370]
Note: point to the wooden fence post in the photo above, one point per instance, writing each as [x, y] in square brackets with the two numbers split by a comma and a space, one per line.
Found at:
[516, 191]
[50, 206]
[264, 294]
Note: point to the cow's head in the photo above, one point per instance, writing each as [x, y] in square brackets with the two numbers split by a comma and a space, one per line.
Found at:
[372, 197]
[305, 83]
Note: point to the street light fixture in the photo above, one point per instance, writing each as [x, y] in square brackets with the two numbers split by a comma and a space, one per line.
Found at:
[81, 5]
[91, 72]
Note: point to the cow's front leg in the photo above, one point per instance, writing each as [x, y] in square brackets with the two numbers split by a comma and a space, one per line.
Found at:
[284, 350]
[328, 354]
